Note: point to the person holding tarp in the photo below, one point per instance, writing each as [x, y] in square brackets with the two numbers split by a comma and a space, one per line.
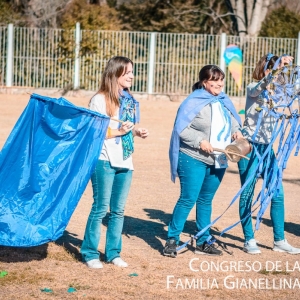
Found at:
[45, 166]
[258, 129]
[112, 177]
[206, 119]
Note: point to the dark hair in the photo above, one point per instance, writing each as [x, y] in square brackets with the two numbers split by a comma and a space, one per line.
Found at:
[259, 71]
[208, 72]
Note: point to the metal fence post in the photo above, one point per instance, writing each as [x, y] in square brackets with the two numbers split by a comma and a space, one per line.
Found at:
[77, 58]
[222, 50]
[298, 50]
[151, 62]
[9, 55]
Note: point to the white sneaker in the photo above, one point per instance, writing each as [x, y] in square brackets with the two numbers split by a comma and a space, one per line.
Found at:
[118, 261]
[284, 246]
[94, 264]
[251, 247]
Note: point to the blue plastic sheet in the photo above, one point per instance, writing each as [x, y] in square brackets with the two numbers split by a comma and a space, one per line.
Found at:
[45, 166]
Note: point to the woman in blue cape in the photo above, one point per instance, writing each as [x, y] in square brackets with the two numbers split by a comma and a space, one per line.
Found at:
[205, 120]
[111, 179]
[259, 130]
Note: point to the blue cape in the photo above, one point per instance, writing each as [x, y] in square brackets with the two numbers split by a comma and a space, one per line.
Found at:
[187, 111]
[45, 166]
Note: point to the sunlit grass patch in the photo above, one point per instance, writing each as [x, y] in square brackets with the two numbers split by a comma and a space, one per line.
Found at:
[265, 272]
[280, 273]
[59, 253]
[25, 276]
[78, 286]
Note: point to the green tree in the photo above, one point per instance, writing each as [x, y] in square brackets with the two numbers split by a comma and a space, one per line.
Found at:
[9, 13]
[281, 22]
[90, 16]
[191, 16]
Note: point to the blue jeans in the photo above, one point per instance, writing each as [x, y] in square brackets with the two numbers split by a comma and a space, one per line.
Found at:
[199, 183]
[110, 190]
[246, 168]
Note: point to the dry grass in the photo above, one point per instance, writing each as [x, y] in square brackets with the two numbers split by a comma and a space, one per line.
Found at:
[57, 265]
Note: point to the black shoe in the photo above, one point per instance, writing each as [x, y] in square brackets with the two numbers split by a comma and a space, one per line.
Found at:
[170, 248]
[208, 249]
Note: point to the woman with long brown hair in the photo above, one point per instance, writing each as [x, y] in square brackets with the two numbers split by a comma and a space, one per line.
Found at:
[113, 174]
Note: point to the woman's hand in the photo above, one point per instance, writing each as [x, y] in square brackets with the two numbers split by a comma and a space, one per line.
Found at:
[206, 146]
[285, 60]
[237, 135]
[141, 132]
[126, 127]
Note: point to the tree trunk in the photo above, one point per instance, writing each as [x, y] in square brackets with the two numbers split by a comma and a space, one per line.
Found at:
[250, 14]
[259, 14]
[249, 10]
[241, 20]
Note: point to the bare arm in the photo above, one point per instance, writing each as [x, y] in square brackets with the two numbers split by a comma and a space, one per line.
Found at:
[141, 132]
[125, 128]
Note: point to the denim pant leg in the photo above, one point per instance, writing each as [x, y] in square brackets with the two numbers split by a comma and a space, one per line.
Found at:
[102, 182]
[277, 215]
[277, 209]
[211, 183]
[246, 168]
[120, 190]
[277, 203]
[191, 174]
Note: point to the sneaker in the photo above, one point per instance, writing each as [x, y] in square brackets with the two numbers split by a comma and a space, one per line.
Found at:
[170, 248]
[94, 264]
[284, 246]
[208, 249]
[119, 262]
[250, 247]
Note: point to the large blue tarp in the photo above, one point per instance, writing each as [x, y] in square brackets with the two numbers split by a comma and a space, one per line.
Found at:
[45, 166]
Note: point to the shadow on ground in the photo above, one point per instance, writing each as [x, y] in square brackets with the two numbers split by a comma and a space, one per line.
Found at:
[289, 227]
[71, 243]
[154, 232]
[23, 254]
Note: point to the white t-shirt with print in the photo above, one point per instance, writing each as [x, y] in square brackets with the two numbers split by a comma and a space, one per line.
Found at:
[111, 151]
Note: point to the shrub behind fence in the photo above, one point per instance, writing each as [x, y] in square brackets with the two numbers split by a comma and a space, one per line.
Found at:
[164, 63]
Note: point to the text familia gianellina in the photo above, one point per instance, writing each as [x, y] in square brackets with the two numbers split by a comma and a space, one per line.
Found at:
[204, 275]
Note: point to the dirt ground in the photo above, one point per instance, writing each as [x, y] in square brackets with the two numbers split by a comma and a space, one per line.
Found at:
[57, 265]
